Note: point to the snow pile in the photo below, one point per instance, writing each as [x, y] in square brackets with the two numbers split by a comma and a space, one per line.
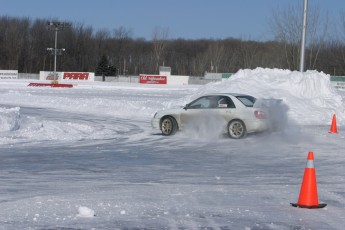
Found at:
[85, 212]
[9, 119]
[310, 97]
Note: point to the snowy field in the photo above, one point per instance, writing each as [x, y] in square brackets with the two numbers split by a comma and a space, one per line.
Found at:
[86, 158]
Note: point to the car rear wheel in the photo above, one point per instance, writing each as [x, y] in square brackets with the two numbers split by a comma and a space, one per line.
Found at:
[168, 126]
[236, 129]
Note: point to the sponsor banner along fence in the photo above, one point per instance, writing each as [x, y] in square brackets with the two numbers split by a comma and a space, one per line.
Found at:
[8, 74]
[67, 76]
[162, 79]
[152, 79]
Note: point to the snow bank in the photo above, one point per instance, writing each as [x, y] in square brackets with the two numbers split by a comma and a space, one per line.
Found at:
[310, 97]
[9, 119]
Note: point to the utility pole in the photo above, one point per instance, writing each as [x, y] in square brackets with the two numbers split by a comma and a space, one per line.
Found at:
[56, 26]
[304, 29]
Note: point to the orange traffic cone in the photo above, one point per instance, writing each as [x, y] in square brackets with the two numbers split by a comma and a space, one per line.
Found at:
[308, 197]
[334, 125]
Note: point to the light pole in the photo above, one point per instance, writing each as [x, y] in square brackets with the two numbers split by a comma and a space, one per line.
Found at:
[56, 26]
[304, 29]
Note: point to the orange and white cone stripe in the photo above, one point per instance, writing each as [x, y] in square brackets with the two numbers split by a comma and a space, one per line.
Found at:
[308, 197]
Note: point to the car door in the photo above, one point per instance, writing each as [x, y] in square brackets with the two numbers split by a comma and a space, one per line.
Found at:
[207, 109]
[226, 108]
[193, 110]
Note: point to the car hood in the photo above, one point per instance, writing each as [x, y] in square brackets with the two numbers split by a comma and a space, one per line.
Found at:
[171, 111]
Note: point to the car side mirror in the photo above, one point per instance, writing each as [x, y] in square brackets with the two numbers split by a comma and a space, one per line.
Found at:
[186, 107]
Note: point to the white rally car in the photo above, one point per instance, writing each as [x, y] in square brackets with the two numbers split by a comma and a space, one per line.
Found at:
[239, 113]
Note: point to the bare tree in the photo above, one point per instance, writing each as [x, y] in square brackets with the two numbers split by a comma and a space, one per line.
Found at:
[159, 39]
[39, 40]
[341, 38]
[286, 26]
[121, 53]
[23, 44]
[246, 53]
[317, 29]
[122, 33]
[215, 55]
[13, 37]
[101, 38]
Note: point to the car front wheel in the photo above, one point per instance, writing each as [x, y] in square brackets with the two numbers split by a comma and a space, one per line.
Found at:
[168, 126]
[236, 129]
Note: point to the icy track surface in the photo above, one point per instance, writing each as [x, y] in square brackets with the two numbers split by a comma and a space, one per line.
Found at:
[87, 158]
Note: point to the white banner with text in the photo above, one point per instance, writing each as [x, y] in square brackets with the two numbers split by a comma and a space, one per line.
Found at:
[8, 74]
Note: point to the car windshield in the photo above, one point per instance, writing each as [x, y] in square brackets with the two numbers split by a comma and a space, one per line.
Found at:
[247, 100]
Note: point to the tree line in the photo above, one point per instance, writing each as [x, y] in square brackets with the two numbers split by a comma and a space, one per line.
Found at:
[24, 43]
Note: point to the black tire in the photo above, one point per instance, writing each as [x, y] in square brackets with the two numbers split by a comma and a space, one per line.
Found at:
[236, 129]
[168, 126]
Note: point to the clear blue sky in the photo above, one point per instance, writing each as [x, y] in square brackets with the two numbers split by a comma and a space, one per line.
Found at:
[188, 19]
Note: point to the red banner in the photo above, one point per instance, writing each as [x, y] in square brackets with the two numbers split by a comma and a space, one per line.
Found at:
[76, 76]
[152, 79]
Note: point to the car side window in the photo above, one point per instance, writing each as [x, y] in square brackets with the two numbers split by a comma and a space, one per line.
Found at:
[247, 100]
[212, 102]
[225, 102]
[220, 102]
[199, 103]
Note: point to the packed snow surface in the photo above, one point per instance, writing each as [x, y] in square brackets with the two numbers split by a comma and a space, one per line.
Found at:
[89, 151]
